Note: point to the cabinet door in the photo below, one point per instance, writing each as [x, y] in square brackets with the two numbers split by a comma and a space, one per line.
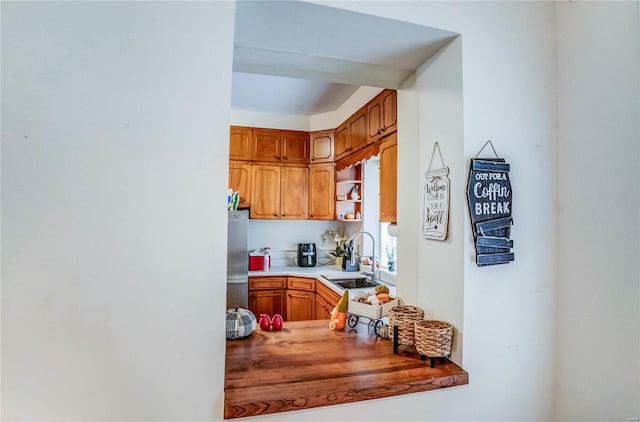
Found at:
[323, 308]
[321, 191]
[268, 302]
[374, 119]
[388, 179]
[266, 145]
[294, 200]
[295, 147]
[240, 180]
[265, 192]
[341, 146]
[358, 131]
[389, 111]
[321, 146]
[301, 306]
[240, 143]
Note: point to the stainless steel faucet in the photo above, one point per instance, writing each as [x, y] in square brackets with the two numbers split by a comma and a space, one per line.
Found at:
[373, 254]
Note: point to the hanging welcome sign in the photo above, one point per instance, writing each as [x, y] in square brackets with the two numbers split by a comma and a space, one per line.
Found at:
[436, 200]
[490, 202]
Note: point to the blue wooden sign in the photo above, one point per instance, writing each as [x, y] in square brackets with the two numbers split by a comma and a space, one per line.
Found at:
[490, 200]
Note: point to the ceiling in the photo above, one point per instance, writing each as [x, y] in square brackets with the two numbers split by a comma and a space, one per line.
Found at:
[294, 57]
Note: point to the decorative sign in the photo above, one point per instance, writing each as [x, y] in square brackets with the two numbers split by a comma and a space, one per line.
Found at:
[490, 201]
[436, 201]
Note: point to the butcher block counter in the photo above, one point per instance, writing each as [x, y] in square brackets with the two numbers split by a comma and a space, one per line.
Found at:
[308, 365]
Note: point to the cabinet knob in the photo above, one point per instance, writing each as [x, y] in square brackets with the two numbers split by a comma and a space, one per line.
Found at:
[275, 215]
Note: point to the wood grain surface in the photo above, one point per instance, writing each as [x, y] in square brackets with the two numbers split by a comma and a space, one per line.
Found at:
[308, 365]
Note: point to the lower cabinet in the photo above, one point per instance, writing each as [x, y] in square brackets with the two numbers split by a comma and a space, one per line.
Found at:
[268, 295]
[295, 298]
[301, 306]
[268, 302]
[301, 298]
[326, 300]
[323, 308]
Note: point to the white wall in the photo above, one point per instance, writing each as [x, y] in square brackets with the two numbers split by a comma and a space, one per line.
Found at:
[113, 228]
[598, 334]
[440, 289]
[283, 237]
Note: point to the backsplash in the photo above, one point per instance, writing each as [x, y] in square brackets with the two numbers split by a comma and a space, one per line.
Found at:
[283, 236]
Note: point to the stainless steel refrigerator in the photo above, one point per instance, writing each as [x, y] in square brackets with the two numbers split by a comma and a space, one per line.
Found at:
[237, 260]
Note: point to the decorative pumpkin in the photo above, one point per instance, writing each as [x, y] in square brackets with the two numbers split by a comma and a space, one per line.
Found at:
[240, 323]
[339, 314]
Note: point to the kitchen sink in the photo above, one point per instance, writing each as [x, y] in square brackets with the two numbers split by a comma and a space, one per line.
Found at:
[354, 283]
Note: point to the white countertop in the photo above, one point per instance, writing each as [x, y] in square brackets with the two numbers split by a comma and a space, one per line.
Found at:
[322, 273]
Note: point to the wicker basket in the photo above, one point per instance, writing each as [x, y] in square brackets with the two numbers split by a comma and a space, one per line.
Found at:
[404, 317]
[433, 338]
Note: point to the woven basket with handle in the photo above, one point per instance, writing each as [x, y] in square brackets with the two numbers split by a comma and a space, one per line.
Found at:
[433, 338]
[405, 317]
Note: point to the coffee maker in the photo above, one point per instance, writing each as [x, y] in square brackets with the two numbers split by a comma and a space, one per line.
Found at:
[306, 254]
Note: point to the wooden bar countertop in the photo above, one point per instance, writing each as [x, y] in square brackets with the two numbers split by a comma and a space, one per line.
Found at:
[309, 365]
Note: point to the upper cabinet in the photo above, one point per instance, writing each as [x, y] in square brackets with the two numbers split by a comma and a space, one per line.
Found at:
[240, 143]
[294, 193]
[280, 146]
[279, 192]
[358, 130]
[321, 191]
[266, 145]
[321, 146]
[295, 147]
[389, 179]
[240, 181]
[265, 192]
[341, 145]
[352, 134]
[382, 115]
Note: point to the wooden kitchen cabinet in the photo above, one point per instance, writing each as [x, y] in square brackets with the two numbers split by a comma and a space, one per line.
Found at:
[240, 181]
[323, 308]
[294, 191]
[326, 300]
[358, 136]
[321, 146]
[280, 146]
[301, 305]
[301, 298]
[279, 192]
[265, 192]
[268, 295]
[240, 143]
[352, 134]
[266, 145]
[301, 283]
[295, 147]
[268, 302]
[388, 178]
[341, 144]
[267, 283]
[321, 191]
[382, 115]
